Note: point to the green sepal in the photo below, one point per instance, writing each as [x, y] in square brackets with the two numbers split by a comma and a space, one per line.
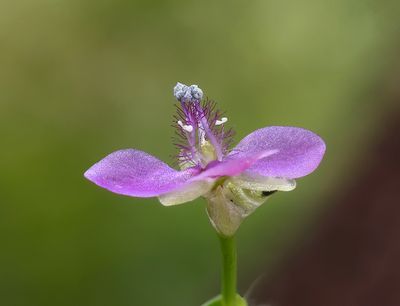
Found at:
[217, 301]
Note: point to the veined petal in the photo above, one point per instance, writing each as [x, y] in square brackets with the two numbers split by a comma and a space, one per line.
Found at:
[186, 193]
[253, 181]
[299, 151]
[138, 174]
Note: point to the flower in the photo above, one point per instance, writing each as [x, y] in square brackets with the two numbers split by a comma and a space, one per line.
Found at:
[234, 182]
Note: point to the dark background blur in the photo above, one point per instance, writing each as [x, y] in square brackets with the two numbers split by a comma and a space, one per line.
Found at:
[80, 79]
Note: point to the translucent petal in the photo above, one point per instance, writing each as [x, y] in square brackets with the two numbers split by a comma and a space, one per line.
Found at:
[238, 197]
[187, 193]
[255, 181]
[224, 215]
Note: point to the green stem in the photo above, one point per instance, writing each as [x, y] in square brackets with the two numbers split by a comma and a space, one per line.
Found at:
[229, 270]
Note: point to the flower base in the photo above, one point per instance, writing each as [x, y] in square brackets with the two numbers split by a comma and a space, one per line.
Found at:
[217, 301]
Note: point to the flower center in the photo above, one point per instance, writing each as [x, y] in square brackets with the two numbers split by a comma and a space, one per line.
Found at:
[200, 127]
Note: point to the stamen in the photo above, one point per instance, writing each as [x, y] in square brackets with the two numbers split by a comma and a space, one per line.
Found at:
[187, 128]
[203, 137]
[222, 121]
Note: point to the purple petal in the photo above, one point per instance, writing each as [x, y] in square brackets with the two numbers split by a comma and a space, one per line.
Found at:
[299, 151]
[138, 174]
[231, 167]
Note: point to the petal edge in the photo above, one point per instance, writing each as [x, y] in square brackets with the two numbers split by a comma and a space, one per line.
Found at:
[135, 173]
[300, 151]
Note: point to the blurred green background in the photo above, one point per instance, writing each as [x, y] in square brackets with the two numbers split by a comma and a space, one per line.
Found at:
[80, 79]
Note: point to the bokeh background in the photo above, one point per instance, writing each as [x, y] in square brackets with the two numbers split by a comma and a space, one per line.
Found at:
[80, 79]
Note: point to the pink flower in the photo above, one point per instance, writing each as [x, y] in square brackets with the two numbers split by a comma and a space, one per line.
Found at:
[234, 182]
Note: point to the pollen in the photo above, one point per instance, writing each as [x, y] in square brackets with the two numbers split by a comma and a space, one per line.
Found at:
[186, 93]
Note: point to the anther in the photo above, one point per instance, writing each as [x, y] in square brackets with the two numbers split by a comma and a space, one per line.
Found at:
[187, 128]
[196, 92]
[186, 93]
[222, 121]
[179, 90]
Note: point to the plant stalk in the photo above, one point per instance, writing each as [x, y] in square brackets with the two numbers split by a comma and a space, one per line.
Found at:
[229, 270]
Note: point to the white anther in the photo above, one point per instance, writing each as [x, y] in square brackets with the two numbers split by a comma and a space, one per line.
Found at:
[187, 128]
[222, 121]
